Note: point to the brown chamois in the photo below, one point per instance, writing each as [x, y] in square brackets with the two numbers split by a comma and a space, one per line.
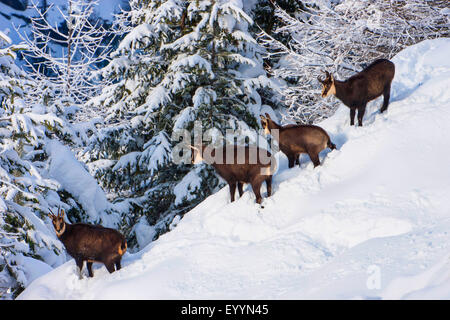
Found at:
[239, 165]
[359, 89]
[296, 139]
[85, 242]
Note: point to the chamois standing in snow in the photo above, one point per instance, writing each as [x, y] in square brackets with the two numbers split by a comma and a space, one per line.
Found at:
[359, 89]
[296, 139]
[239, 165]
[85, 242]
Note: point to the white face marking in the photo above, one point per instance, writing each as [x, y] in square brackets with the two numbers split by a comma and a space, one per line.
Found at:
[331, 91]
[197, 157]
[60, 232]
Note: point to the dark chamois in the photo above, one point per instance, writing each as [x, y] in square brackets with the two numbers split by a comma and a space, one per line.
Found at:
[296, 139]
[239, 165]
[358, 90]
[90, 243]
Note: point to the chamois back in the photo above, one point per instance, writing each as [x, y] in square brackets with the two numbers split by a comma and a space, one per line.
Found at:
[297, 139]
[238, 165]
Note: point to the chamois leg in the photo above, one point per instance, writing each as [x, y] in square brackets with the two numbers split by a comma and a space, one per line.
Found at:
[386, 97]
[240, 189]
[352, 116]
[110, 266]
[297, 159]
[232, 190]
[314, 158]
[269, 185]
[89, 267]
[256, 186]
[291, 159]
[361, 111]
[79, 263]
[118, 265]
[313, 154]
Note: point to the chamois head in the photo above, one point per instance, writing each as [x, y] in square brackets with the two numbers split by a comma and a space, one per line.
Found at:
[327, 85]
[58, 222]
[196, 154]
[266, 123]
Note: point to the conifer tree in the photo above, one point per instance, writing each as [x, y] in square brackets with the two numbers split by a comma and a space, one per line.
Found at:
[25, 192]
[180, 62]
[28, 188]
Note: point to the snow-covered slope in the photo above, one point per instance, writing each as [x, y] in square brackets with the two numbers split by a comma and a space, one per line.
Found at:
[372, 222]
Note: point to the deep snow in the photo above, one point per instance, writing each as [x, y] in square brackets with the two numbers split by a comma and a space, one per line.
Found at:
[372, 222]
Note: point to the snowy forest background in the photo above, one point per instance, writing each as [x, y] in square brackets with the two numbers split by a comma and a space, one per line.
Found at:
[91, 93]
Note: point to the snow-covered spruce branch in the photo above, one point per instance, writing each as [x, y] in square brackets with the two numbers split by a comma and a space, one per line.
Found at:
[82, 46]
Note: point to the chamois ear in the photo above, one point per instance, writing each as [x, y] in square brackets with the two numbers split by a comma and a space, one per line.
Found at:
[262, 117]
[268, 117]
[194, 148]
[62, 213]
[326, 76]
[332, 78]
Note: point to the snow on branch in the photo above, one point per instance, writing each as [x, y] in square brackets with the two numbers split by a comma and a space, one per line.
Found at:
[342, 38]
[82, 47]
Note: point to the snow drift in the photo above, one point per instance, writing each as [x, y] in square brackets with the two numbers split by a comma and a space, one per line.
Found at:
[372, 222]
[74, 178]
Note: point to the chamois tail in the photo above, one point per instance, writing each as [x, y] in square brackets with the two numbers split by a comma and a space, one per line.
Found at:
[330, 144]
[123, 247]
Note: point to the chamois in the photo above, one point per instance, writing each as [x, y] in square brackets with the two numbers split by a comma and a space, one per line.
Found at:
[239, 165]
[85, 242]
[296, 139]
[359, 89]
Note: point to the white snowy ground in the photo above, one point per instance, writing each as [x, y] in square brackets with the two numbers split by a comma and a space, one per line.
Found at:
[373, 222]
